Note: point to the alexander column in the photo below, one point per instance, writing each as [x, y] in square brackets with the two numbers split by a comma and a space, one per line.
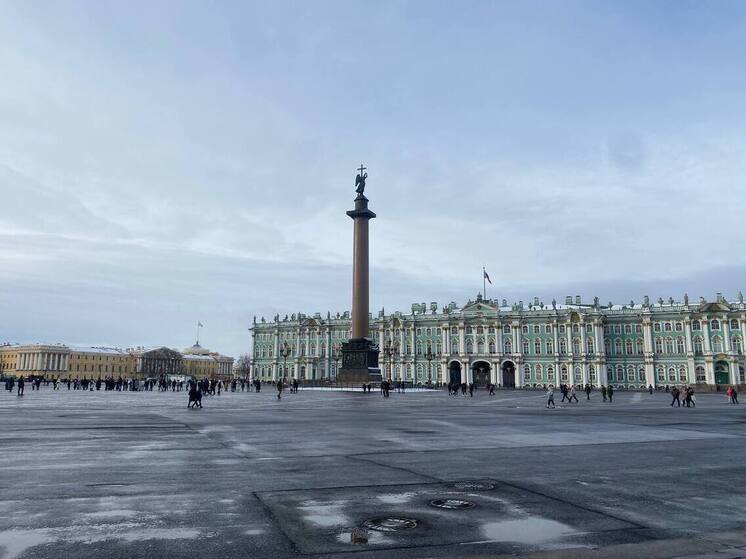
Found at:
[360, 353]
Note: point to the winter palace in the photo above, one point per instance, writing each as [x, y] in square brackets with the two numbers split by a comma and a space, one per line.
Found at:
[535, 345]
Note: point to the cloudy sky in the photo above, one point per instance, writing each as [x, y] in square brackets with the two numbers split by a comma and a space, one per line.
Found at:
[168, 162]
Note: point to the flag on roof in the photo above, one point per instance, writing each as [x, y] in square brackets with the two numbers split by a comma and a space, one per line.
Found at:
[487, 276]
[202, 325]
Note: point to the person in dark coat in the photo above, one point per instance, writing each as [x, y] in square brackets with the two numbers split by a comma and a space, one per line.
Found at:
[610, 393]
[21, 382]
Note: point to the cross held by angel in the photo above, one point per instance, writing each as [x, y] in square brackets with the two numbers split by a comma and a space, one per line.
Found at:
[360, 180]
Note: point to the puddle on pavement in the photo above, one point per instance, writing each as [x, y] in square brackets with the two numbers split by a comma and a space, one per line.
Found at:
[324, 513]
[396, 498]
[529, 530]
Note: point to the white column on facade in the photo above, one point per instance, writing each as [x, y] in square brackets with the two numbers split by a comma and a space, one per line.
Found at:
[734, 372]
[461, 339]
[726, 335]
[599, 334]
[706, 334]
[583, 348]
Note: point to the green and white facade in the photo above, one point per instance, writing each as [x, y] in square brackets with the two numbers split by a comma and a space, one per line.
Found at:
[536, 345]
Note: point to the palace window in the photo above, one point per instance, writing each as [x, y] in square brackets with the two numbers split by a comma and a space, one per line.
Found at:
[607, 329]
[506, 329]
[658, 345]
[538, 372]
[671, 374]
[537, 347]
[657, 326]
[469, 330]
[609, 373]
[562, 329]
[525, 347]
[592, 372]
[589, 328]
[563, 373]
[454, 345]
[661, 373]
[454, 331]
[679, 327]
[419, 347]
[669, 345]
[480, 330]
[617, 328]
[527, 373]
[537, 329]
[617, 347]
[698, 346]
[590, 345]
[641, 373]
[607, 347]
[508, 346]
[696, 325]
[682, 373]
[575, 329]
[550, 347]
[717, 344]
[619, 373]
[667, 326]
[562, 346]
[734, 325]
[631, 373]
[715, 324]
[627, 328]
[547, 328]
[638, 328]
[700, 374]
[578, 374]
[736, 342]
[524, 329]
[680, 345]
[742, 374]
[480, 346]
[550, 373]
[491, 330]
[576, 346]
[628, 349]
[492, 346]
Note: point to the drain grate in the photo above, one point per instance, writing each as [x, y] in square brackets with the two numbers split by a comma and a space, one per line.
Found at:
[390, 524]
[474, 485]
[451, 504]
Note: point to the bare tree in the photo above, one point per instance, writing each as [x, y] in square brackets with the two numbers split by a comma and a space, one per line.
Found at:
[243, 366]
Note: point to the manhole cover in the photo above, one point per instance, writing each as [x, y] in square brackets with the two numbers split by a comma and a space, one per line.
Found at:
[474, 485]
[390, 524]
[453, 504]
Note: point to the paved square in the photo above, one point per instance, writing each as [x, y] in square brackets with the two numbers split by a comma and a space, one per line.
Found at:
[107, 474]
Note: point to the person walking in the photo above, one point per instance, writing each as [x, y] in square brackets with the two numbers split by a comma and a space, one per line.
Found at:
[550, 398]
[675, 397]
[610, 393]
[735, 395]
[573, 395]
[690, 401]
[492, 389]
[279, 389]
[603, 392]
[21, 383]
[587, 391]
[729, 394]
[650, 389]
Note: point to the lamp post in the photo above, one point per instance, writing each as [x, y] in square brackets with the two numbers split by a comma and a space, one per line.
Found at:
[284, 353]
[429, 356]
[336, 357]
[390, 350]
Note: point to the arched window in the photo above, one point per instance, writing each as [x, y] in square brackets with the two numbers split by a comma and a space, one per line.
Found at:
[469, 330]
[682, 373]
[419, 347]
[508, 347]
[669, 345]
[671, 374]
[590, 346]
[492, 346]
[658, 345]
[667, 326]
[547, 328]
[641, 373]
[700, 374]
[524, 329]
[631, 373]
[454, 345]
[697, 346]
[734, 325]
[480, 346]
[619, 373]
[480, 330]
[469, 347]
[576, 346]
[715, 324]
[661, 373]
[592, 372]
[575, 329]
[562, 346]
[680, 345]
[628, 348]
[578, 374]
[627, 328]
[312, 348]
[537, 347]
[717, 344]
[696, 325]
[538, 372]
[640, 346]
[550, 373]
[537, 329]
[736, 342]
[525, 347]
[607, 347]
[527, 373]
[506, 329]
[454, 331]
[617, 347]
[550, 347]
[563, 373]
[302, 349]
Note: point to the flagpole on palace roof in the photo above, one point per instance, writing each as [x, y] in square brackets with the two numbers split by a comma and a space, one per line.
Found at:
[484, 283]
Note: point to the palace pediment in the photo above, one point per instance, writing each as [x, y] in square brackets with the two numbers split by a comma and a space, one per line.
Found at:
[719, 306]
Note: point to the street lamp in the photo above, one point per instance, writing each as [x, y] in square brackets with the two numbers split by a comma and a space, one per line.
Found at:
[284, 353]
[430, 356]
[336, 357]
[390, 350]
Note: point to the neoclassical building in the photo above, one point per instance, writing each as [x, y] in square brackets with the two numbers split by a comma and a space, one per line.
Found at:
[630, 345]
[61, 361]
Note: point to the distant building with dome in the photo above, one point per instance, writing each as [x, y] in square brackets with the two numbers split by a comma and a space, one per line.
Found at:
[630, 345]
